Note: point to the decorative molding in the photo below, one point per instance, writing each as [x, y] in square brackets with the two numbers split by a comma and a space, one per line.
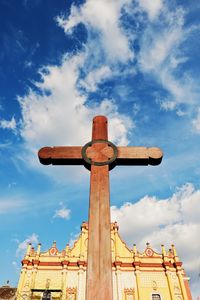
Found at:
[153, 280]
[149, 252]
[53, 251]
[129, 294]
[154, 285]
[71, 293]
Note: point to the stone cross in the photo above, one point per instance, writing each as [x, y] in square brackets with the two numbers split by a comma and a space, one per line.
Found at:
[99, 156]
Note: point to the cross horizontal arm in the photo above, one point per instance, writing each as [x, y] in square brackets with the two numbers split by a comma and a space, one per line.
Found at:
[128, 156]
[67, 155]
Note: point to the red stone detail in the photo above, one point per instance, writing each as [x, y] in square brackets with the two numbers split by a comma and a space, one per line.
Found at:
[150, 265]
[52, 263]
[178, 264]
[73, 264]
[35, 261]
[84, 263]
[126, 265]
[53, 251]
[138, 264]
[81, 263]
[117, 264]
[25, 262]
[65, 262]
[168, 264]
[149, 252]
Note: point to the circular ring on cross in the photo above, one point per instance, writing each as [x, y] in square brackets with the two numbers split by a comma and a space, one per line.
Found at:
[90, 162]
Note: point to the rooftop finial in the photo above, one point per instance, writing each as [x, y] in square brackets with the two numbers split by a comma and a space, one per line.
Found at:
[163, 250]
[38, 248]
[67, 248]
[134, 249]
[115, 226]
[174, 250]
[28, 250]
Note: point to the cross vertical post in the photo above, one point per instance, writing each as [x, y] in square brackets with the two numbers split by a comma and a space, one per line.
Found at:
[99, 268]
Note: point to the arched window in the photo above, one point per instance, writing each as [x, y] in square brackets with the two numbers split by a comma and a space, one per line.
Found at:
[156, 297]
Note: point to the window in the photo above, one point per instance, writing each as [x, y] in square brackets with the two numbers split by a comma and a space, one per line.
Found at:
[156, 297]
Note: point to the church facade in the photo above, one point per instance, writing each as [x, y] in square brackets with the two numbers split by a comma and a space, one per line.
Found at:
[61, 275]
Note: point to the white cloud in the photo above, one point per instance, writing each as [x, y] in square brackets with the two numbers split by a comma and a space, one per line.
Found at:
[152, 8]
[73, 238]
[182, 90]
[170, 221]
[196, 122]
[28, 64]
[58, 115]
[5, 124]
[22, 246]
[104, 17]
[161, 55]
[10, 205]
[5, 145]
[156, 49]
[63, 213]
[96, 77]
[16, 267]
[161, 46]
[12, 184]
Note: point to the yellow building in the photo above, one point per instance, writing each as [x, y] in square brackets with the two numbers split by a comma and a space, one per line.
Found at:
[137, 275]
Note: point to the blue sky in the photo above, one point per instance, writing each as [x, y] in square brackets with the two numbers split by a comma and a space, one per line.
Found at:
[62, 63]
